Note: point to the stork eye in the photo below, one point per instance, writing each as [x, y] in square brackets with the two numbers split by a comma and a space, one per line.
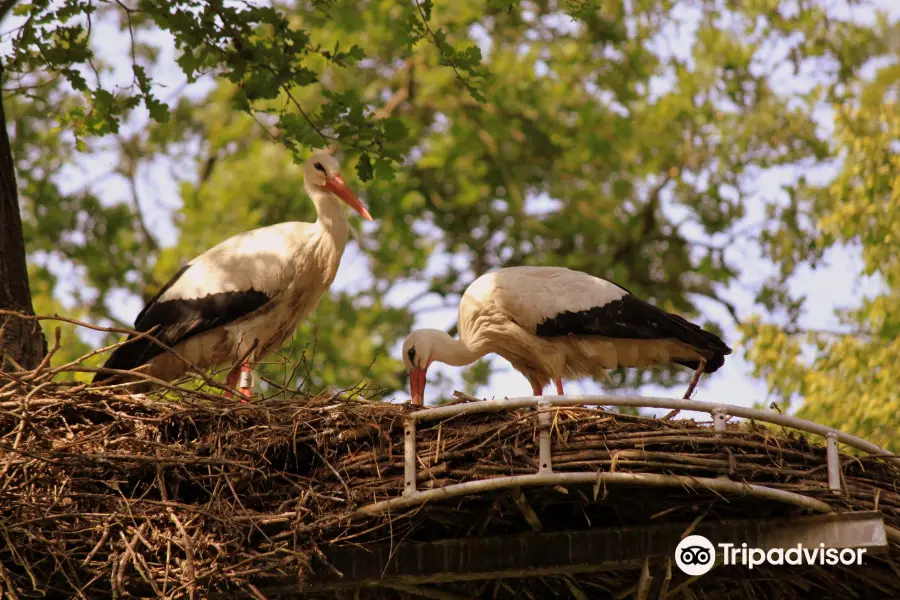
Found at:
[412, 355]
[319, 167]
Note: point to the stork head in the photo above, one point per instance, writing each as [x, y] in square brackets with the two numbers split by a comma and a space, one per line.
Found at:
[417, 356]
[323, 171]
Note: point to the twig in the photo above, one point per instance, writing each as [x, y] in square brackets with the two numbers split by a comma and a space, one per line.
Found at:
[336, 474]
[133, 336]
[190, 572]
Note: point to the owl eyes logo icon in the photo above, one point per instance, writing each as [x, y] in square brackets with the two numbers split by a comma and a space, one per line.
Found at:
[695, 555]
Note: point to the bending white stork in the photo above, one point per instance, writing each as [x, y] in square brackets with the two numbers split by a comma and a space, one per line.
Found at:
[552, 323]
[252, 288]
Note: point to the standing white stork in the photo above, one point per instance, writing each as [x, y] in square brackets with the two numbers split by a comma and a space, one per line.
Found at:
[253, 288]
[552, 323]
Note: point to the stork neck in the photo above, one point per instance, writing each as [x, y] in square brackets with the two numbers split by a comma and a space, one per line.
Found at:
[455, 352]
[331, 218]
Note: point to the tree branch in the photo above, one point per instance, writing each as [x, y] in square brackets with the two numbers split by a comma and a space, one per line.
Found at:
[867, 337]
[440, 49]
[129, 171]
[398, 97]
[648, 214]
[731, 308]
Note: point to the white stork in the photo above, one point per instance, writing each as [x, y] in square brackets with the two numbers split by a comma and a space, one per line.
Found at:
[552, 323]
[253, 288]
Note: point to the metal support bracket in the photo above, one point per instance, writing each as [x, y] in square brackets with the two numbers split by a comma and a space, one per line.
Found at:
[719, 420]
[544, 425]
[409, 458]
[834, 463]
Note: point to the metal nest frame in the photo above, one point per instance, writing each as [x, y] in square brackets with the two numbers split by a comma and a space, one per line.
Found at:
[545, 475]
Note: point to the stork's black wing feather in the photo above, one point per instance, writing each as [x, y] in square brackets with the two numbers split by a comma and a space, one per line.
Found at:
[162, 290]
[180, 319]
[632, 318]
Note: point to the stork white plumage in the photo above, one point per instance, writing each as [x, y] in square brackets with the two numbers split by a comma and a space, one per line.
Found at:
[253, 288]
[553, 323]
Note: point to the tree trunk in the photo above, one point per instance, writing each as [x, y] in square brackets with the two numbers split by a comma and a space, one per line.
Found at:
[20, 339]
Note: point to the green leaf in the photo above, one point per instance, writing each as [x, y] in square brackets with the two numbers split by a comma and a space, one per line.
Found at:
[364, 167]
[395, 130]
[356, 53]
[159, 111]
[426, 6]
[384, 169]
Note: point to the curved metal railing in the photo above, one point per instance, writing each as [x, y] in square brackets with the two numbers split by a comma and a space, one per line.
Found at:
[545, 475]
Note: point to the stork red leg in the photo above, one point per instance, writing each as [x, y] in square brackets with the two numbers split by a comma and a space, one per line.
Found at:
[559, 387]
[695, 380]
[537, 389]
[233, 376]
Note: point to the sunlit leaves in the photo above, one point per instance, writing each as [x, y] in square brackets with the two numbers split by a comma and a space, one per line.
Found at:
[847, 378]
[257, 48]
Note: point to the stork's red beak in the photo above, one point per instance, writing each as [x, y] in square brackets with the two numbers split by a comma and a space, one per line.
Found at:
[336, 186]
[417, 385]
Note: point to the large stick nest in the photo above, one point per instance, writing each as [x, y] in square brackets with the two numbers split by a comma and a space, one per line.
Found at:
[108, 494]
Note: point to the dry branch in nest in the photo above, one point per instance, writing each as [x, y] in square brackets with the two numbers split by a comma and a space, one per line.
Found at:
[189, 495]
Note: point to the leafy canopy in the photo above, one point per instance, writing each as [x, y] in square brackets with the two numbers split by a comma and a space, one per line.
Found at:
[256, 48]
[847, 378]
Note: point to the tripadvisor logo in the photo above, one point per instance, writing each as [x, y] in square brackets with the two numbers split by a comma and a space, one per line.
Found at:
[696, 555]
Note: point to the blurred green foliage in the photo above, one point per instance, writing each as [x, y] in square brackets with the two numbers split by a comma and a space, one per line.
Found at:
[624, 139]
[849, 379]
